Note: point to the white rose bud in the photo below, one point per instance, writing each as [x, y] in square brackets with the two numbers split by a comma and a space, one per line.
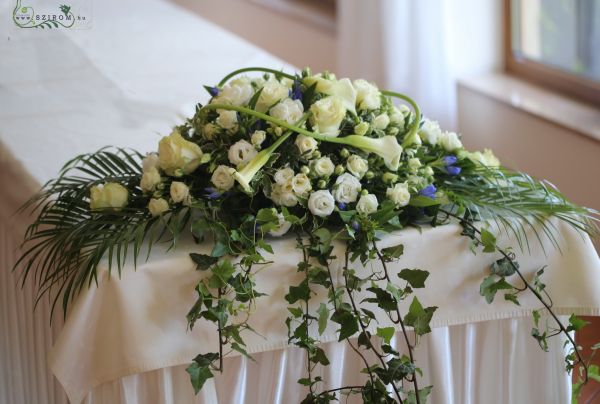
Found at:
[150, 179]
[150, 161]
[110, 195]
[301, 184]
[241, 152]
[222, 178]
[282, 228]
[381, 121]
[258, 137]
[357, 165]
[346, 188]
[158, 206]
[414, 164]
[306, 144]
[430, 132]
[180, 192]
[272, 92]
[327, 115]
[367, 204]
[288, 110]
[323, 167]
[450, 141]
[227, 119]
[209, 130]
[367, 95]
[177, 154]
[361, 129]
[399, 194]
[284, 175]
[321, 203]
[237, 92]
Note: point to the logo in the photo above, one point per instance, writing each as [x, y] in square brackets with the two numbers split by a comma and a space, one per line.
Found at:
[43, 16]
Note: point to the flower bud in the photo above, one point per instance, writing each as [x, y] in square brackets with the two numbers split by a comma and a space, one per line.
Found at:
[364, 192]
[344, 153]
[389, 178]
[369, 175]
[361, 129]
[339, 169]
[304, 169]
[322, 184]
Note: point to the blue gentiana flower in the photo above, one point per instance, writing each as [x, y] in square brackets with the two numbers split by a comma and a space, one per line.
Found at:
[356, 226]
[212, 193]
[449, 160]
[214, 91]
[429, 191]
[295, 93]
[453, 170]
[342, 206]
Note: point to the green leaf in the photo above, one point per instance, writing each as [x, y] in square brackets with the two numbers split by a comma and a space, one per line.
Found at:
[419, 317]
[393, 253]
[504, 267]
[386, 333]
[267, 215]
[296, 311]
[415, 277]
[423, 394]
[347, 321]
[319, 357]
[198, 375]
[594, 373]
[203, 261]
[488, 240]
[512, 297]
[490, 286]
[300, 292]
[536, 317]
[222, 272]
[422, 201]
[323, 315]
[382, 298]
[576, 323]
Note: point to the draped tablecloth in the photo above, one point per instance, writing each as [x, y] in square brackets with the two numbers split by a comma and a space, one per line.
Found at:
[125, 81]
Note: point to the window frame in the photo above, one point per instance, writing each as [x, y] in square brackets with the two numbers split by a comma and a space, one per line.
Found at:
[552, 78]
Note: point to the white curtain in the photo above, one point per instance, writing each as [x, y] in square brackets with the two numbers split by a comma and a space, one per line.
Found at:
[420, 47]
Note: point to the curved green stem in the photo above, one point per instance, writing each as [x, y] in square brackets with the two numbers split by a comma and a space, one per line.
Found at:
[414, 127]
[253, 69]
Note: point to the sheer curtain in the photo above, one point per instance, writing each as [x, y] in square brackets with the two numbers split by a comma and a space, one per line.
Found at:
[420, 47]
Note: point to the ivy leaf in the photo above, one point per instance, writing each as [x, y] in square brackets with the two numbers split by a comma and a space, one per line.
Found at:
[512, 297]
[423, 394]
[222, 272]
[386, 333]
[393, 253]
[536, 317]
[490, 286]
[419, 317]
[415, 277]
[320, 357]
[488, 240]
[423, 201]
[267, 215]
[296, 311]
[203, 261]
[300, 292]
[504, 267]
[198, 375]
[575, 323]
[382, 298]
[347, 321]
[323, 314]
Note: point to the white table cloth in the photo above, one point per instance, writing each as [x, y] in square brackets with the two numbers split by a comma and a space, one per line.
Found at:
[126, 81]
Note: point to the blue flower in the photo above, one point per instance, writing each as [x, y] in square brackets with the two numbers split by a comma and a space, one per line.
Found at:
[214, 91]
[356, 225]
[212, 193]
[449, 160]
[453, 170]
[342, 206]
[295, 93]
[428, 192]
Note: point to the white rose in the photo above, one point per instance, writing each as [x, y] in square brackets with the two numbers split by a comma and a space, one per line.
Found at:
[150, 179]
[258, 137]
[158, 206]
[321, 203]
[109, 195]
[398, 114]
[323, 167]
[283, 227]
[301, 184]
[272, 92]
[367, 204]
[381, 121]
[306, 144]
[341, 89]
[346, 188]
[327, 115]
[150, 161]
[283, 194]
[450, 141]
[222, 178]
[241, 152]
[284, 175]
[414, 164]
[177, 154]
[357, 165]
[180, 192]
[227, 119]
[430, 132]
[288, 110]
[237, 92]
[399, 194]
[367, 95]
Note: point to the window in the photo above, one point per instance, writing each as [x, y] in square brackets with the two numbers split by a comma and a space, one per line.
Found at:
[556, 43]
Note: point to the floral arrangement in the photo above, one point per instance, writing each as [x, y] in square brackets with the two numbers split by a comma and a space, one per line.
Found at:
[323, 160]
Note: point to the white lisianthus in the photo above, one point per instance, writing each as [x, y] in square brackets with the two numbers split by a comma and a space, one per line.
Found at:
[283, 194]
[398, 114]
[367, 204]
[417, 181]
[209, 130]
[227, 119]
[180, 192]
[305, 144]
[241, 152]
[321, 203]
[491, 159]
[357, 165]
[381, 121]
[177, 154]
[346, 188]
[414, 164]
[237, 92]
[367, 95]
[486, 158]
[288, 110]
[342, 89]
[110, 195]
[361, 129]
[150, 179]
[323, 167]
[222, 178]
[301, 184]
[327, 115]
[150, 161]
[272, 92]
[430, 132]
[283, 175]
[399, 194]
[158, 206]
[258, 137]
[282, 228]
[450, 141]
